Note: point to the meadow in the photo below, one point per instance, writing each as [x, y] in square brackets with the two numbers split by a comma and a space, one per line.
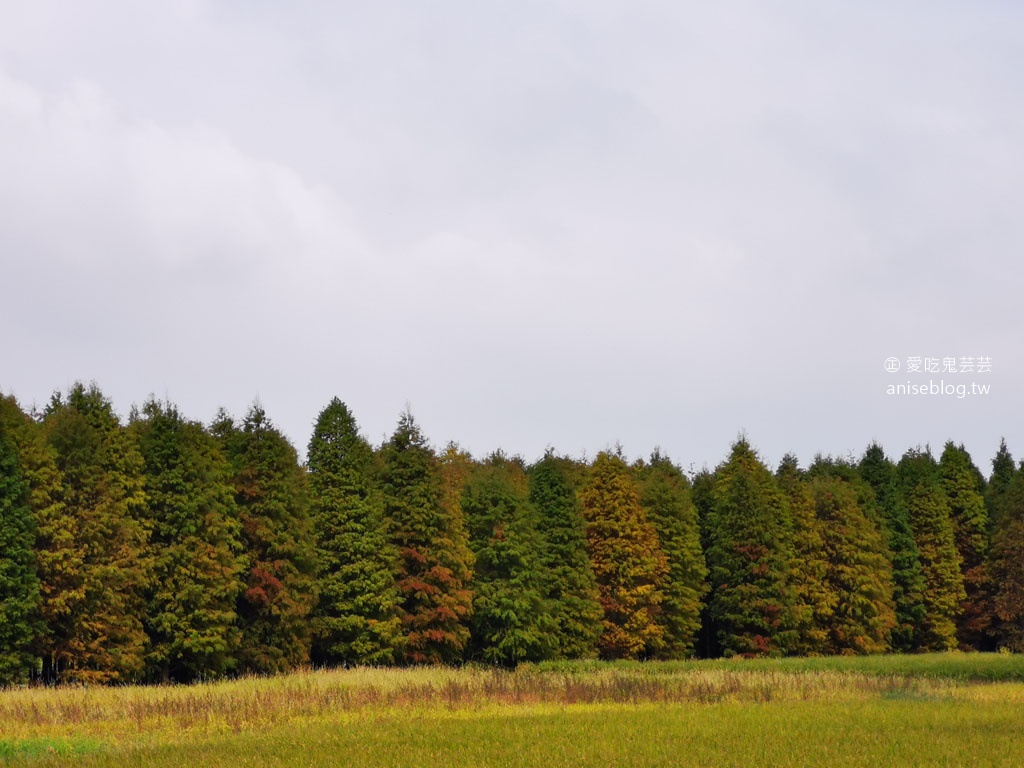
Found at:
[923, 710]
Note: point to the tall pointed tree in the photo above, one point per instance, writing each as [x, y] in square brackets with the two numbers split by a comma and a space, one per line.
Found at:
[665, 497]
[859, 569]
[1003, 470]
[702, 494]
[512, 621]
[356, 620]
[434, 566]
[1006, 564]
[962, 483]
[195, 548]
[56, 553]
[277, 535]
[749, 557]
[929, 516]
[19, 583]
[627, 559]
[814, 599]
[908, 578]
[96, 606]
[571, 588]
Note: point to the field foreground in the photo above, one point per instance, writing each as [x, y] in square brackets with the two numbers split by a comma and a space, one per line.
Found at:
[951, 709]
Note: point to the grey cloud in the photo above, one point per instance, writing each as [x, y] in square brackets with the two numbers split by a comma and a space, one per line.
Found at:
[563, 223]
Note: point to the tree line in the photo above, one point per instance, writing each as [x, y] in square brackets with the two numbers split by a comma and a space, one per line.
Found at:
[163, 549]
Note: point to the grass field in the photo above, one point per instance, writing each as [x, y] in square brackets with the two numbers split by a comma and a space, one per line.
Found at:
[931, 710]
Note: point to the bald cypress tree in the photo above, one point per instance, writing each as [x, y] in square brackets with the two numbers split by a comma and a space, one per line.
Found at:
[1006, 564]
[356, 619]
[929, 515]
[195, 548]
[665, 497]
[512, 619]
[19, 583]
[54, 548]
[434, 562]
[908, 578]
[628, 562]
[571, 586]
[277, 536]
[702, 494]
[1003, 470]
[750, 555]
[964, 488]
[96, 589]
[814, 599]
[858, 567]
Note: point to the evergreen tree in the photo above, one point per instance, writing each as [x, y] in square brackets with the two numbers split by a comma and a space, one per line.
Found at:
[1003, 471]
[96, 586]
[627, 559]
[54, 549]
[572, 588]
[814, 601]
[356, 619]
[908, 578]
[19, 584]
[859, 570]
[455, 465]
[962, 483]
[434, 564]
[665, 497]
[1006, 564]
[512, 622]
[929, 516]
[278, 539]
[702, 494]
[195, 547]
[749, 557]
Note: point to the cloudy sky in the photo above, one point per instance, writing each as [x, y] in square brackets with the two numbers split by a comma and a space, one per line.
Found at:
[537, 223]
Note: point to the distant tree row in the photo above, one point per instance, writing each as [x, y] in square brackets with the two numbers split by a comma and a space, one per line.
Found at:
[164, 549]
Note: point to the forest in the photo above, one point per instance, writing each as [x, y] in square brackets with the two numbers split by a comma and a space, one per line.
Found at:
[163, 549]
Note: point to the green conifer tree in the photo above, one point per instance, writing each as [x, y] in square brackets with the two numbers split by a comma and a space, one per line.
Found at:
[97, 586]
[1003, 470]
[814, 600]
[356, 620]
[1006, 563]
[19, 583]
[962, 483]
[628, 562]
[55, 550]
[512, 621]
[195, 548]
[859, 569]
[434, 563]
[572, 588]
[749, 557]
[702, 494]
[278, 540]
[665, 497]
[908, 578]
[929, 516]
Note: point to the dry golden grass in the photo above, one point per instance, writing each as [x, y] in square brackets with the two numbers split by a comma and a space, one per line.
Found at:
[250, 716]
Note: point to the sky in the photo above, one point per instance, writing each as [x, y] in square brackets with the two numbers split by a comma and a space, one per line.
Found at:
[537, 224]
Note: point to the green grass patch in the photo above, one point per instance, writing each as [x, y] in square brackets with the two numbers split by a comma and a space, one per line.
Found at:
[983, 667]
[890, 733]
[39, 748]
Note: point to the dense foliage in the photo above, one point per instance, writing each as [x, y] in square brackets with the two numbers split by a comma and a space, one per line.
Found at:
[434, 561]
[194, 547]
[356, 620]
[164, 549]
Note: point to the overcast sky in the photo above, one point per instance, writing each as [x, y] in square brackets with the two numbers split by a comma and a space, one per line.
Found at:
[537, 223]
